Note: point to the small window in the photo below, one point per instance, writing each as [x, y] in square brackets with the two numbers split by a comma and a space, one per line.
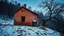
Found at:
[23, 18]
[22, 10]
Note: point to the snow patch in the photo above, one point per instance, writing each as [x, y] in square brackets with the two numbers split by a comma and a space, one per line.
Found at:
[26, 31]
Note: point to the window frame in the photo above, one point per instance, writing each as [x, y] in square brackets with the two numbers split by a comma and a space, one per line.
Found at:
[22, 11]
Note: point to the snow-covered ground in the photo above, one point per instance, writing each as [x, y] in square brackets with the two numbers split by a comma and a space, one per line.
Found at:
[7, 22]
[26, 31]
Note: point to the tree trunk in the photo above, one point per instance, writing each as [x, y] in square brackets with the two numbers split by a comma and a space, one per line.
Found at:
[45, 22]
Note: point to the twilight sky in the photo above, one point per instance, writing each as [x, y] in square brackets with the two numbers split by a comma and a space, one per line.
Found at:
[34, 3]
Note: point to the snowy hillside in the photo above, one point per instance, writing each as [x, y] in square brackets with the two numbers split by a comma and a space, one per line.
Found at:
[26, 31]
[7, 22]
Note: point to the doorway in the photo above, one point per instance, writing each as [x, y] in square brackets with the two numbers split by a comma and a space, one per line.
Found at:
[23, 18]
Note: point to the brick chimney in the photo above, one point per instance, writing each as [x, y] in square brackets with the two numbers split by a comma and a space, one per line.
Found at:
[25, 5]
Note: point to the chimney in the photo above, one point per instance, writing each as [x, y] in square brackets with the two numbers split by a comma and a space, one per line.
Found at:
[25, 5]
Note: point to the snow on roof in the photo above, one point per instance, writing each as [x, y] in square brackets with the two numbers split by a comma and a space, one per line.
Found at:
[34, 21]
[26, 31]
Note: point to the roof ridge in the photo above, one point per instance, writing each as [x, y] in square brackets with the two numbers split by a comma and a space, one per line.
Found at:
[26, 9]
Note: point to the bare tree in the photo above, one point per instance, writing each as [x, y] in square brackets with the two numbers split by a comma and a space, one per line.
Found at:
[53, 8]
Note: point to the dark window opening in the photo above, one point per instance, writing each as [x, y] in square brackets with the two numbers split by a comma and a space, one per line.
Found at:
[23, 18]
[22, 10]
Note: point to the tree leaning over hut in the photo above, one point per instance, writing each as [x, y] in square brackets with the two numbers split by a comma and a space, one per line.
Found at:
[53, 8]
[55, 11]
